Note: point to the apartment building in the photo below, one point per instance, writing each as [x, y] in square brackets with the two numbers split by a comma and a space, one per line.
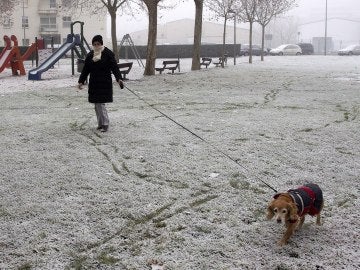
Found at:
[46, 19]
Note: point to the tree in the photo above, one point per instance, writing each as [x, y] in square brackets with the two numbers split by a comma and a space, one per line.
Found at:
[95, 7]
[247, 14]
[285, 29]
[266, 10]
[152, 7]
[222, 9]
[6, 9]
[7, 6]
[197, 34]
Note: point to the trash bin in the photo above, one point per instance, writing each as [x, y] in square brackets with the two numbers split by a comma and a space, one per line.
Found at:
[80, 64]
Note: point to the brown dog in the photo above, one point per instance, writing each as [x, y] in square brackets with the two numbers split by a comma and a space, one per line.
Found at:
[291, 207]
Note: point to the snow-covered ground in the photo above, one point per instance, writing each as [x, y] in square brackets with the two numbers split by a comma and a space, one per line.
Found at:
[75, 198]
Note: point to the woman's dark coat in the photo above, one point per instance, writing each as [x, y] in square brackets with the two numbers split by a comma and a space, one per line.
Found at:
[100, 82]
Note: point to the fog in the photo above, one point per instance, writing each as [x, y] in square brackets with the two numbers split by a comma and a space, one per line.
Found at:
[308, 18]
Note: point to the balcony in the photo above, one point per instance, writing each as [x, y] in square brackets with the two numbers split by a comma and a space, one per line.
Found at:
[48, 30]
[48, 11]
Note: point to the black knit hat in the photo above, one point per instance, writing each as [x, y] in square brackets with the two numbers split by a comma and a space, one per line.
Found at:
[97, 38]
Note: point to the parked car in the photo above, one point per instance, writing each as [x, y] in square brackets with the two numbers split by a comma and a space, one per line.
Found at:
[350, 50]
[256, 50]
[306, 48]
[287, 49]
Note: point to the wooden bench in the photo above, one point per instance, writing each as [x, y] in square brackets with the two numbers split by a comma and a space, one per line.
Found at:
[125, 68]
[170, 65]
[205, 61]
[221, 61]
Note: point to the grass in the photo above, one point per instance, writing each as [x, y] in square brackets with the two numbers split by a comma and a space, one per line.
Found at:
[105, 258]
[3, 212]
[78, 263]
[243, 185]
[347, 202]
[202, 201]
[26, 266]
[141, 175]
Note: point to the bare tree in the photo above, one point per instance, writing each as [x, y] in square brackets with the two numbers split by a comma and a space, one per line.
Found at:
[266, 10]
[197, 34]
[222, 9]
[96, 7]
[247, 14]
[6, 9]
[152, 7]
[285, 29]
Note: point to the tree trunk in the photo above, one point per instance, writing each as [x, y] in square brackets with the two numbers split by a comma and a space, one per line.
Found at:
[113, 33]
[197, 35]
[152, 34]
[250, 42]
[223, 46]
[262, 41]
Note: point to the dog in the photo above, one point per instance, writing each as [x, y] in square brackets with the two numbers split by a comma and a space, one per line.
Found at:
[290, 208]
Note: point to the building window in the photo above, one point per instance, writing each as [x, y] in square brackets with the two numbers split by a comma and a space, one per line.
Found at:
[7, 22]
[25, 22]
[66, 21]
[48, 24]
[52, 3]
[50, 40]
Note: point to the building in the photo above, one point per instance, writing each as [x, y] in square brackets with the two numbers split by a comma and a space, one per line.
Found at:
[306, 24]
[342, 20]
[45, 19]
[182, 32]
[342, 31]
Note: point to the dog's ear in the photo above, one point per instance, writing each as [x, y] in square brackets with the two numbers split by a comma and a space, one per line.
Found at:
[292, 211]
[270, 211]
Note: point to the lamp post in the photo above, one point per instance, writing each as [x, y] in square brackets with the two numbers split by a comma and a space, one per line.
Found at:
[23, 20]
[232, 11]
[325, 27]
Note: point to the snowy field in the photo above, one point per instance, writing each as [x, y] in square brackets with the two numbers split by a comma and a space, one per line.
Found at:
[75, 198]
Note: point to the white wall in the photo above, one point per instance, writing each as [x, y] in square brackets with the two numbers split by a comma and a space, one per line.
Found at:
[92, 24]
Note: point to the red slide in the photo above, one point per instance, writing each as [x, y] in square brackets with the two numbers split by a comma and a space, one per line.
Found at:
[29, 52]
[12, 56]
[7, 45]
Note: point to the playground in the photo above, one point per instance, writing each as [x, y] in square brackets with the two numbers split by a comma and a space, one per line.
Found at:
[11, 57]
[148, 190]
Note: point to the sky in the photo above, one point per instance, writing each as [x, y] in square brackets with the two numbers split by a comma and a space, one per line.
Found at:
[306, 10]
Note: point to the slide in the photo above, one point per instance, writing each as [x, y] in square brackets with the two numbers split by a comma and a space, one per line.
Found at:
[29, 52]
[70, 43]
[5, 59]
[7, 46]
[11, 57]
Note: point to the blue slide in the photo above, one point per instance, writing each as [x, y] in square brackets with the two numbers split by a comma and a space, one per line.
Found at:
[71, 42]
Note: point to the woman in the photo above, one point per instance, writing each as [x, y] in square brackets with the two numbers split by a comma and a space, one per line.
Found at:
[99, 63]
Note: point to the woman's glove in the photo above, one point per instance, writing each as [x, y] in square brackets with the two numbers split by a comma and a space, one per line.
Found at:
[121, 83]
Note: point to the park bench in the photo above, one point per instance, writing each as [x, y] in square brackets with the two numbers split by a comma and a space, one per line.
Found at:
[170, 65]
[125, 68]
[222, 61]
[205, 61]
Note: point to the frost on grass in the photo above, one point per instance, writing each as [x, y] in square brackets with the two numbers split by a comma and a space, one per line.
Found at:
[74, 198]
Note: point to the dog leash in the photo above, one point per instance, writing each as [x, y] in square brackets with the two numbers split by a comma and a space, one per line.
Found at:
[197, 136]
